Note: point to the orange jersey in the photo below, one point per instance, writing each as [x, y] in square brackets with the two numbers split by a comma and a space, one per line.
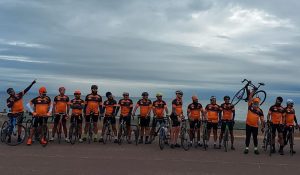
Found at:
[110, 106]
[126, 106]
[145, 107]
[290, 115]
[195, 110]
[41, 105]
[228, 110]
[93, 102]
[276, 113]
[159, 108]
[213, 112]
[17, 106]
[253, 116]
[61, 103]
[177, 104]
[77, 106]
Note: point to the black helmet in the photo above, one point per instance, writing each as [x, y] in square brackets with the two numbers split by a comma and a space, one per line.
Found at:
[279, 99]
[108, 94]
[145, 94]
[125, 94]
[9, 90]
[179, 92]
[226, 97]
[94, 87]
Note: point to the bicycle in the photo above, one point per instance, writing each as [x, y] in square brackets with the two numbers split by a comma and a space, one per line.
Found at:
[107, 131]
[290, 139]
[136, 131]
[267, 141]
[204, 134]
[42, 131]
[195, 129]
[59, 126]
[226, 135]
[123, 133]
[10, 132]
[184, 136]
[74, 130]
[162, 131]
[243, 95]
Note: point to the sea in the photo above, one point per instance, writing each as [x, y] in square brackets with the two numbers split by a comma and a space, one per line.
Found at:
[241, 108]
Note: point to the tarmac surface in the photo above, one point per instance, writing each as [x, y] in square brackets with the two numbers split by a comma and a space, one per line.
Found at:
[97, 158]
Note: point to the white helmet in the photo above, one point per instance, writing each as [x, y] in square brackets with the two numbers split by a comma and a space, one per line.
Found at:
[289, 102]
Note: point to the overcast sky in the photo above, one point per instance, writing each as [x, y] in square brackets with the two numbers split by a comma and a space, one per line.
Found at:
[157, 45]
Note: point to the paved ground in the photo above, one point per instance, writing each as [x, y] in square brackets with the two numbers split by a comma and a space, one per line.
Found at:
[142, 159]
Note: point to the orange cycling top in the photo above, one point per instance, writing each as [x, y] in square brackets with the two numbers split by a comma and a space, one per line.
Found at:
[177, 104]
[159, 108]
[228, 110]
[195, 110]
[77, 106]
[276, 113]
[213, 112]
[110, 106]
[145, 107]
[290, 115]
[41, 105]
[254, 115]
[61, 103]
[17, 100]
[126, 107]
[93, 102]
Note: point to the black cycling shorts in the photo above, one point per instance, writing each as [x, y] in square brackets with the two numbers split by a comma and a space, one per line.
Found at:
[19, 116]
[276, 127]
[229, 123]
[111, 119]
[194, 123]
[94, 118]
[145, 121]
[38, 121]
[57, 119]
[212, 125]
[157, 120]
[78, 118]
[127, 120]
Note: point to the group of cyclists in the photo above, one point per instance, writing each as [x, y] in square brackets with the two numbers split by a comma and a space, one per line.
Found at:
[93, 107]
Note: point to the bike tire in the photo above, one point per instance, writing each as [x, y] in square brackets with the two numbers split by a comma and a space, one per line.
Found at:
[225, 141]
[238, 96]
[162, 138]
[4, 130]
[262, 95]
[270, 142]
[73, 134]
[15, 142]
[120, 136]
[136, 136]
[106, 134]
[184, 139]
[291, 140]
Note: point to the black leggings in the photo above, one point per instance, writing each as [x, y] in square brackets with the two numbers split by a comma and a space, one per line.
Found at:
[254, 131]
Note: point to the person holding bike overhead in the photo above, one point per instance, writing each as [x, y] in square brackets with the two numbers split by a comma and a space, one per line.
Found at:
[126, 106]
[213, 111]
[254, 114]
[145, 106]
[61, 106]
[109, 110]
[77, 105]
[92, 108]
[275, 117]
[194, 112]
[290, 120]
[15, 103]
[176, 117]
[227, 117]
[41, 111]
[159, 107]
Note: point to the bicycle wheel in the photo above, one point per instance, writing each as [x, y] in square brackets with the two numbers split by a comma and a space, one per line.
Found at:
[161, 139]
[238, 96]
[15, 138]
[225, 141]
[136, 136]
[45, 135]
[28, 126]
[291, 140]
[121, 133]
[90, 135]
[204, 138]
[4, 130]
[265, 142]
[262, 95]
[106, 134]
[73, 134]
[59, 130]
[270, 142]
[184, 139]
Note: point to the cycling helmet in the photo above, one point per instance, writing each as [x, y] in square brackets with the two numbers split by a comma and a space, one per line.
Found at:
[94, 87]
[43, 90]
[61, 89]
[9, 90]
[256, 100]
[125, 94]
[226, 97]
[279, 99]
[159, 94]
[179, 92]
[77, 92]
[108, 94]
[289, 102]
[194, 97]
[145, 94]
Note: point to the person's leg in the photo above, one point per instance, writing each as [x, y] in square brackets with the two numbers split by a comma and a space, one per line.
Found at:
[215, 132]
[87, 126]
[192, 131]
[147, 129]
[72, 120]
[230, 126]
[20, 118]
[223, 126]
[209, 126]
[64, 124]
[255, 140]
[79, 122]
[54, 129]
[285, 135]
[273, 137]
[248, 136]
[280, 139]
[95, 124]
[177, 130]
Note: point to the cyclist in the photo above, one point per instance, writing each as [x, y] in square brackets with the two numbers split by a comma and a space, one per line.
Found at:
[253, 116]
[145, 106]
[194, 112]
[228, 115]
[77, 105]
[213, 111]
[159, 107]
[290, 120]
[42, 110]
[176, 117]
[126, 106]
[61, 106]
[109, 110]
[275, 117]
[92, 108]
[15, 103]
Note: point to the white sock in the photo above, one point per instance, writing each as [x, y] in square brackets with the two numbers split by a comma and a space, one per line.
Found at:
[247, 148]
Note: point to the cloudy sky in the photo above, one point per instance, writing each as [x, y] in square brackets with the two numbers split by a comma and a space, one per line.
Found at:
[159, 45]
